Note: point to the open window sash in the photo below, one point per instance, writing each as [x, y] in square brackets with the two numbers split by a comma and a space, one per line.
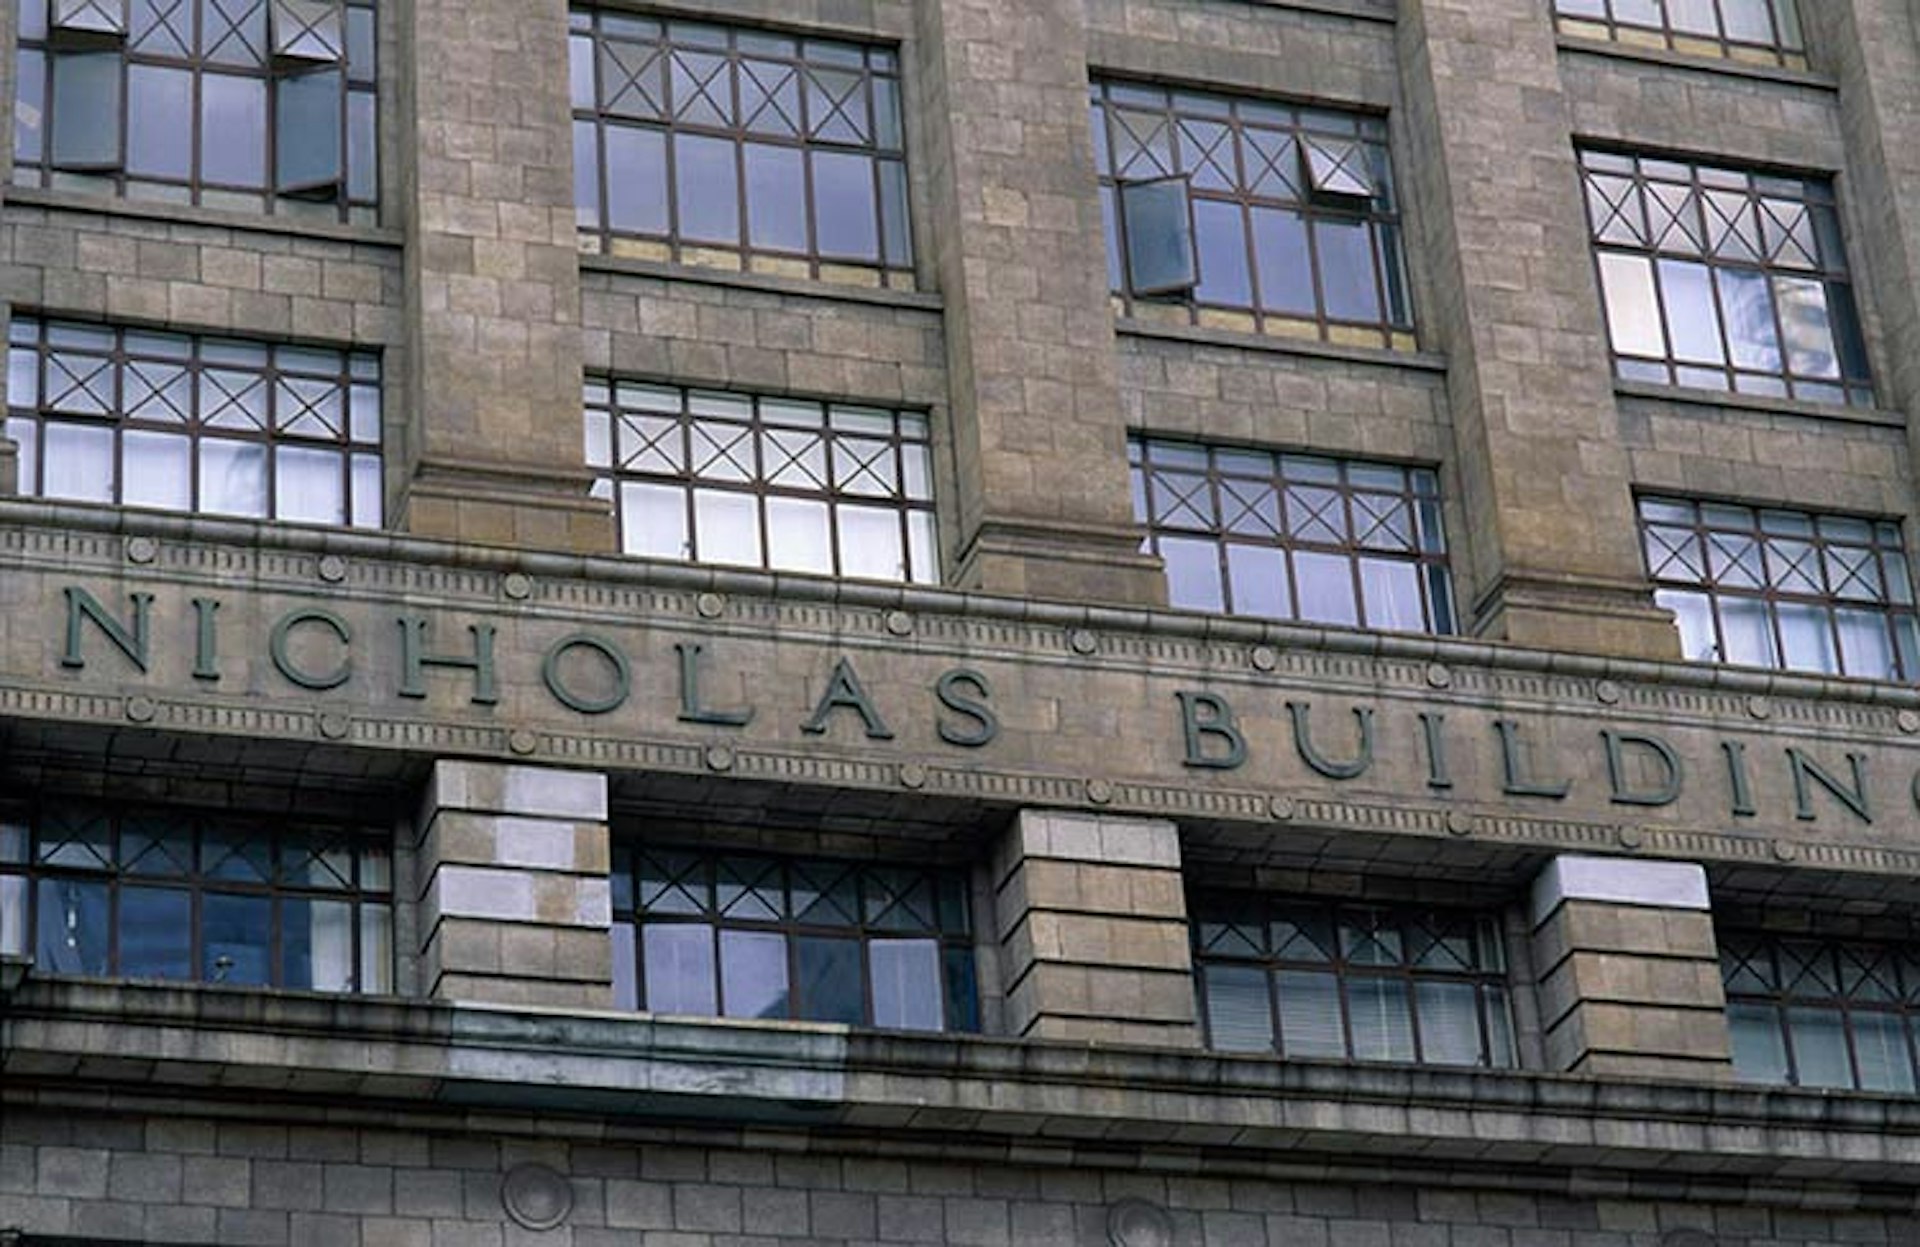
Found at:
[1161, 254]
[309, 141]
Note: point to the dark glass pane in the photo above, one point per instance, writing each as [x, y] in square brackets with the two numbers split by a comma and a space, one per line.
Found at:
[156, 933]
[753, 974]
[72, 922]
[830, 989]
[895, 234]
[1880, 1044]
[30, 105]
[1159, 236]
[308, 132]
[679, 969]
[963, 996]
[363, 149]
[86, 110]
[236, 935]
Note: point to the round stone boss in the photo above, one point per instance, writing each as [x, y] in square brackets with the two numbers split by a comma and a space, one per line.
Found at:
[536, 1196]
[1136, 1223]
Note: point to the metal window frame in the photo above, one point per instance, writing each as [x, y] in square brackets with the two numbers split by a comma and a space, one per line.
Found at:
[759, 488]
[270, 198]
[792, 930]
[1779, 1000]
[190, 426]
[1772, 596]
[1817, 193]
[276, 831]
[1389, 272]
[1610, 26]
[878, 62]
[1207, 905]
[1428, 564]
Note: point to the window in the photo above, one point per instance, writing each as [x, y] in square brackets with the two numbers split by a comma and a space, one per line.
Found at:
[1765, 587]
[776, 483]
[1245, 214]
[1282, 536]
[1821, 1013]
[157, 893]
[1355, 982]
[1722, 279]
[252, 105]
[216, 425]
[1762, 32]
[739, 149]
[761, 937]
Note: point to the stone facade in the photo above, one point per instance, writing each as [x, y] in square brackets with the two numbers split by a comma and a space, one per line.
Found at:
[516, 709]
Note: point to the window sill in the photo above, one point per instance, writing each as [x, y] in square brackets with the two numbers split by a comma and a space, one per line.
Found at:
[1778, 74]
[1360, 10]
[212, 218]
[1418, 361]
[916, 300]
[1877, 417]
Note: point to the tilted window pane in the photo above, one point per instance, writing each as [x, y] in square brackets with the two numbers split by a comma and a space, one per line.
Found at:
[208, 102]
[1250, 215]
[751, 481]
[103, 20]
[1247, 532]
[179, 894]
[1720, 278]
[1369, 984]
[784, 156]
[1778, 588]
[1765, 32]
[195, 424]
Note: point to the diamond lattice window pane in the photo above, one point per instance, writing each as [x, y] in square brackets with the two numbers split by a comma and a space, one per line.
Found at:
[90, 19]
[1337, 167]
[312, 32]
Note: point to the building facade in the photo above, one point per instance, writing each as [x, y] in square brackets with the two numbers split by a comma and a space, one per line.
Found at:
[728, 623]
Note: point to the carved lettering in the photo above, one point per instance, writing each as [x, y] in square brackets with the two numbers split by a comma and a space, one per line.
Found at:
[1515, 781]
[965, 692]
[278, 649]
[414, 660]
[1207, 717]
[844, 692]
[1807, 773]
[1300, 713]
[130, 638]
[551, 668]
[1672, 773]
[692, 708]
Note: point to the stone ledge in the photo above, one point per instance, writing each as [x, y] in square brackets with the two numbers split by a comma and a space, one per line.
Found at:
[642, 1068]
[212, 218]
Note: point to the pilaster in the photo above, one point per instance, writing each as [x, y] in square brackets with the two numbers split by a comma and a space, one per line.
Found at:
[1555, 558]
[1091, 916]
[515, 902]
[1016, 237]
[1629, 970]
[493, 282]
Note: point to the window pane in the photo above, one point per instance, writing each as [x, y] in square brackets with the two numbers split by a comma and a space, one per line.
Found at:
[156, 933]
[1693, 320]
[1220, 231]
[1747, 631]
[79, 463]
[870, 543]
[626, 970]
[1310, 1023]
[636, 180]
[86, 110]
[679, 969]
[708, 189]
[1325, 585]
[13, 916]
[797, 536]
[1258, 577]
[159, 470]
[1633, 314]
[1391, 589]
[1193, 574]
[906, 984]
[776, 197]
[1748, 298]
[753, 974]
[1880, 1043]
[1806, 633]
[316, 945]
[309, 486]
[845, 219]
[1449, 1023]
[236, 935]
[1239, 1009]
[159, 122]
[1382, 1025]
[1819, 1048]
[73, 925]
[1347, 280]
[829, 987]
[1285, 265]
[236, 110]
[233, 478]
